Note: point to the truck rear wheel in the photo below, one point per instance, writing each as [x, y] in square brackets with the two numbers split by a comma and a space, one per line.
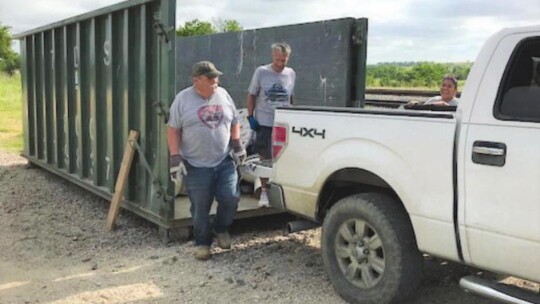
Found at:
[369, 249]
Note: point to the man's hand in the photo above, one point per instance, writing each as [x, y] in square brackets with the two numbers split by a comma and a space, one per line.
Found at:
[239, 152]
[253, 123]
[240, 157]
[176, 165]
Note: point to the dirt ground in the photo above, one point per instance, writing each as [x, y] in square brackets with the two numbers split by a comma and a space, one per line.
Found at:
[55, 249]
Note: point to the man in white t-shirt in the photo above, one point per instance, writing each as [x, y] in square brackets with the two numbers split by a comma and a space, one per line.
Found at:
[272, 86]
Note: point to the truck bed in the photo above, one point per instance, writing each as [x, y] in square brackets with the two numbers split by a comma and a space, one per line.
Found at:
[405, 148]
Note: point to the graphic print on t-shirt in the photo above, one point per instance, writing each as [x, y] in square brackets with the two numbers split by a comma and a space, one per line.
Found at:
[276, 95]
[211, 115]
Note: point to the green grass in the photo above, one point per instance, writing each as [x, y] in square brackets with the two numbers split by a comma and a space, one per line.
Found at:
[11, 133]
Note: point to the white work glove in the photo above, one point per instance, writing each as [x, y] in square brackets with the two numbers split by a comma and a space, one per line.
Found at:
[177, 167]
[239, 152]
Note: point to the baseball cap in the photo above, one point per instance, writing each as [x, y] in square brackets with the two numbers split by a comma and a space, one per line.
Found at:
[205, 68]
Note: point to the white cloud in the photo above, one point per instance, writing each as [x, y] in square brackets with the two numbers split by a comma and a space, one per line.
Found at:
[405, 30]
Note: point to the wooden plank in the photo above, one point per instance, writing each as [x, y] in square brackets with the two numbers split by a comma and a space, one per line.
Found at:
[127, 159]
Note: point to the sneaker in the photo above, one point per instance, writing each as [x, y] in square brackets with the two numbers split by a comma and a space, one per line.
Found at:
[263, 200]
[202, 253]
[224, 240]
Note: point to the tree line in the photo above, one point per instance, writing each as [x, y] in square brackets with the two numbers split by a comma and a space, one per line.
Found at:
[197, 27]
[414, 74]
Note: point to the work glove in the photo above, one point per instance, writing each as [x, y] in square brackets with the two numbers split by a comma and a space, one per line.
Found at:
[253, 123]
[177, 167]
[239, 152]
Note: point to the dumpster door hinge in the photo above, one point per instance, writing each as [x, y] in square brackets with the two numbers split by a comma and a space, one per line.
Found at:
[161, 29]
[162, 110]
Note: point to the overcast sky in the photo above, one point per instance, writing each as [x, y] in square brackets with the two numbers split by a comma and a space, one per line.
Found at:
[399, 30]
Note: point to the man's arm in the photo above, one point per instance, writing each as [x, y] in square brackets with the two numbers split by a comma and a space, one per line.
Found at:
[176, 165]
[239, 150]
[250, 104]
[292, 102]
[174, 135]
[235, 132]
[253, 123]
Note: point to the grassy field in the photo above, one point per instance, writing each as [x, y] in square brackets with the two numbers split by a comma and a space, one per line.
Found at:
[11, 133]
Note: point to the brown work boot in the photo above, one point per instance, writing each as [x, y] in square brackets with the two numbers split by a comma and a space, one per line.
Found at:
[202, 253]
[224, 240]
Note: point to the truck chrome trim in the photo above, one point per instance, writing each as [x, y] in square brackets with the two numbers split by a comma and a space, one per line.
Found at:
[488, 151]
[495, 291]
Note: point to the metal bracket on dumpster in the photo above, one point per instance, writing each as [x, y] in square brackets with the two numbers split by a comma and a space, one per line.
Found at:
[359, 31]
[161, 29]
[162, 110]
[161, 192]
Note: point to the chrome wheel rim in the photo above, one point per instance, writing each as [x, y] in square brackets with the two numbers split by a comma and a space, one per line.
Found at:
[360, 253]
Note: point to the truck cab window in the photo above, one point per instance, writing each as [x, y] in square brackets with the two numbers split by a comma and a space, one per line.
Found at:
[519, 95]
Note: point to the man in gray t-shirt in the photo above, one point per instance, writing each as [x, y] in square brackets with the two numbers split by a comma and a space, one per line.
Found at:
[203, 127]
[272, 86]
[271, 89]
[205, 124]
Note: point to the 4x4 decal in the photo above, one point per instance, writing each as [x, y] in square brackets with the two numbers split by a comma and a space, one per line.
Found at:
[311, 132]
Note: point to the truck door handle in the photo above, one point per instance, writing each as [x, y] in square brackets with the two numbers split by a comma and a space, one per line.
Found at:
[489, 153]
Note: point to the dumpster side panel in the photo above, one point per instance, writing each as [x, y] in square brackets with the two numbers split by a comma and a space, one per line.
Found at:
[90, 79]
[26, 95]
[322, 53]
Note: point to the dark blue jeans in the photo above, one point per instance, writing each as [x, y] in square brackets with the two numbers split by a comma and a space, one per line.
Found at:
[202, 186]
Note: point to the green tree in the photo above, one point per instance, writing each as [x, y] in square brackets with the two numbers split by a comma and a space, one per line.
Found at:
[197, 27]
[9, 60]
[226, 26]
[414, 74]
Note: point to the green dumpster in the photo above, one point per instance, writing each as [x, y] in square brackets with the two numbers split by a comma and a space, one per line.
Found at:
[88, 80]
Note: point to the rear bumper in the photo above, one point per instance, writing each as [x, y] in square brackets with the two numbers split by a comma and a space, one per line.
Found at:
[275, 196]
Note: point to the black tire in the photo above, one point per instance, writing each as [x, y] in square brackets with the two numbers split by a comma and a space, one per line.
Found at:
[380, 255]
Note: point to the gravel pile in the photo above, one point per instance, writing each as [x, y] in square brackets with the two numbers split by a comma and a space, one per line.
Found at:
[55, 249]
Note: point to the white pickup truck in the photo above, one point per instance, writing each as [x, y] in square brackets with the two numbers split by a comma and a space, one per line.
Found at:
[387, 185]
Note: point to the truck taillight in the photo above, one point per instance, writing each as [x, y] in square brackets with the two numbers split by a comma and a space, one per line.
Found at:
[279, 140]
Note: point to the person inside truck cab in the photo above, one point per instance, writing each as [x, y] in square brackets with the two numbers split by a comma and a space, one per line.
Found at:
[448, 91]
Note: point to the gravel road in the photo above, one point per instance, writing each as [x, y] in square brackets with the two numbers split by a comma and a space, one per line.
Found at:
[55, 249]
